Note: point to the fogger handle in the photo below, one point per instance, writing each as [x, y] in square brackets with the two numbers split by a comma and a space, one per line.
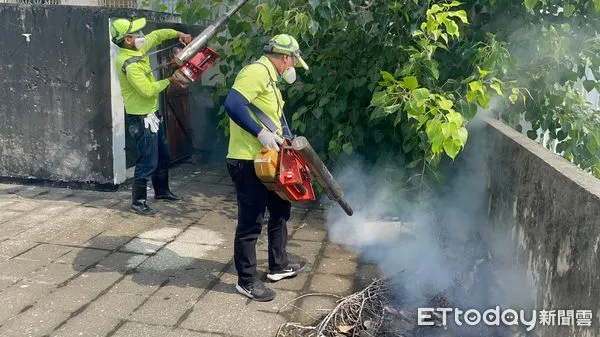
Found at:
[321, 173]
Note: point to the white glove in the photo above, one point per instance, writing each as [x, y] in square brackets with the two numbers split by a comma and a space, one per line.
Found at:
[269, 139]
[151, 121]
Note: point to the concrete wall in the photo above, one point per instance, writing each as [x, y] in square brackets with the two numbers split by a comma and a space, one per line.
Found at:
[551, 212]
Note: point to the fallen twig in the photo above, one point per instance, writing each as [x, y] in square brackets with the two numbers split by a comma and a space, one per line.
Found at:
[306, 295]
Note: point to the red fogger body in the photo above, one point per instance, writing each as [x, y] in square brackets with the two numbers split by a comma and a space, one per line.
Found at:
[290, 173]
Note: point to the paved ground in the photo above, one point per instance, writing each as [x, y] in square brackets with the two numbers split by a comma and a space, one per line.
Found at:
[79, 263]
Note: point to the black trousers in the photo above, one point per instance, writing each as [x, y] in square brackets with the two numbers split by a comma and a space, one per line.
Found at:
[253, 198]
[152, 150]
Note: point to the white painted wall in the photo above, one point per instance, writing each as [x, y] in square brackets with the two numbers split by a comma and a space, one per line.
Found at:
[118, 119]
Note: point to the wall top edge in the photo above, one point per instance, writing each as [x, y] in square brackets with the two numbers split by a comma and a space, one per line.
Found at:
[563, 166]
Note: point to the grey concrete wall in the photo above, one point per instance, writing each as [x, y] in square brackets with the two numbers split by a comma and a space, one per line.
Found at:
[550, 211]
[210, 143]
[56, 121]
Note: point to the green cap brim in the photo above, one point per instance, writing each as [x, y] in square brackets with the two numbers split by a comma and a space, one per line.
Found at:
[138, 24]
[300, 61]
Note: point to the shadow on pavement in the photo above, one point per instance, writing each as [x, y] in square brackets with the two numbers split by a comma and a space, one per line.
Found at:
[153, 263]
[197, 184]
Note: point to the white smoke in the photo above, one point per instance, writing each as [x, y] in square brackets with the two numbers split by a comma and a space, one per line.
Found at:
[426, 250]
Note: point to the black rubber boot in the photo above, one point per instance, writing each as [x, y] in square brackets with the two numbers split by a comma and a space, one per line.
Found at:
[161, 188]
[138, 200]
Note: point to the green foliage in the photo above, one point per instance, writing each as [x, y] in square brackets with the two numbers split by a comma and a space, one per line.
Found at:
[154, 5]
[559, 63]
[407, 76]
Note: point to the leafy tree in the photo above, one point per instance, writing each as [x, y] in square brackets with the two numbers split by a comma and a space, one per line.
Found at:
[405, 77]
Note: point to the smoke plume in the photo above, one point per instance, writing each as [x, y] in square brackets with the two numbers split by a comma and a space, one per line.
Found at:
[429, 250]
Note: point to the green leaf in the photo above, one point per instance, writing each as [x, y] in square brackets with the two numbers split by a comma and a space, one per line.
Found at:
[513, 98]
[434, 9]
[347, 148]
[455, 117]
[379, 98]
[299, 113]
[484, 100]
[180, 6]
[496, 88]
[461, 134]
[451, 27]
[414, 110]
[410, 83]
[391, 109]
[377, 113]
[468, 111]
[597, 5]
[452, 147]
[589, 85]
[462, 15]
[332, 145]
[414, 163]
[471, 96]
[432, 66]
[318, 112]
[432, 128]
[398, 119]
[530, 4]
[314, 27]
[420, 96]
[446, 104]
[387, 76]
[561, 135]
[592, 146]
[569, 9]
[482, 73]
[532, 134]
[446, 130]
[476, 86]
[302, 127]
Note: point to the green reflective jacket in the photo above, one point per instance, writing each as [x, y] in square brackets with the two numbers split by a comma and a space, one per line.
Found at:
[139, 88]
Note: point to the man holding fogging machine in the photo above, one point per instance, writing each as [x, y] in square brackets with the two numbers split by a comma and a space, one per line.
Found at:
[255, 106]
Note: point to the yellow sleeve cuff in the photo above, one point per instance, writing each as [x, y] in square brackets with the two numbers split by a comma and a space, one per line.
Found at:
[163, 84]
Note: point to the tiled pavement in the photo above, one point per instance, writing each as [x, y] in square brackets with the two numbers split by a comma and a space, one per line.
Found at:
[79, 263]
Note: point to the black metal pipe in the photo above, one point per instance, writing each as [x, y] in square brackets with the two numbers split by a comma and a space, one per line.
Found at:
[201, 40]
[320, 172]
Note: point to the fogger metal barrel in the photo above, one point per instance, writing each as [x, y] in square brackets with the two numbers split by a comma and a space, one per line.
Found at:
[200, 41]
[321, 173]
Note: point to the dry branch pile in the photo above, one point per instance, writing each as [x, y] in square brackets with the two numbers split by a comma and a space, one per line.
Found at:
[359, 315]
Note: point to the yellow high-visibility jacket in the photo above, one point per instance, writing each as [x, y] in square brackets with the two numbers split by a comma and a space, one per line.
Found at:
[139, 88]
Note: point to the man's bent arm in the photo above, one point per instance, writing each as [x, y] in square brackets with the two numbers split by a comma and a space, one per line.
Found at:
[235, 105]
[142, 84]
[157, 37]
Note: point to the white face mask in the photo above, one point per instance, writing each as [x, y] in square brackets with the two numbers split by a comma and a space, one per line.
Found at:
[289, 75]
[139, 42]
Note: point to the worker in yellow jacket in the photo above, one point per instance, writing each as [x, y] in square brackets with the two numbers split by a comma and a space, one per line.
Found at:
[140, 91]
